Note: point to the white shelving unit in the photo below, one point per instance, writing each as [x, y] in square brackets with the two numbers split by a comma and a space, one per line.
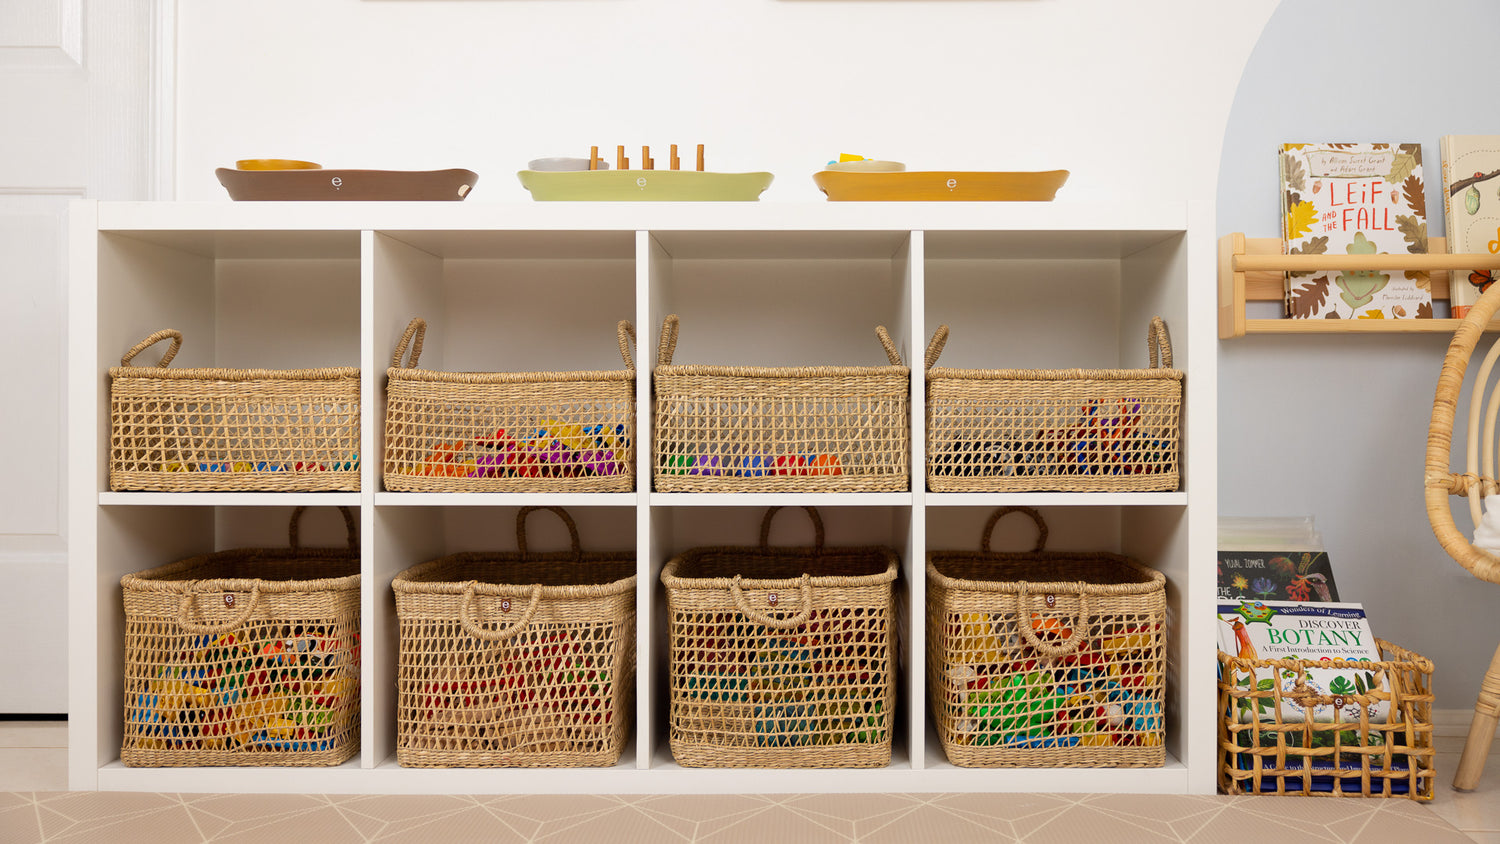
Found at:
[540, 287]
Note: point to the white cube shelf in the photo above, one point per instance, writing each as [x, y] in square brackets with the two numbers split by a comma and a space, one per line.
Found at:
[541, 287]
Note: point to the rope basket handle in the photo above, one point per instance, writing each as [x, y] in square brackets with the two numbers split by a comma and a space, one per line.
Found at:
[738, 594]
[765, 529]
[415, 331]
[889, 345]
[668, 343]
[184, 609]
[561, 514]
[626, 332]
[989, 527]
[471, 627]
[1157, 339]
[152, 341]
[1070, 644]
[935, 347]
[294, 541]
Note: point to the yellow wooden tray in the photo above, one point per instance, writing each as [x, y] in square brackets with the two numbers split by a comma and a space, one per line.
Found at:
[644, 185]
[928, 186]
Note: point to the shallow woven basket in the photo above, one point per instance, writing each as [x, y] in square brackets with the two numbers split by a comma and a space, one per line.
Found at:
[1081, 430]
[781, 429]
[516, 659]
[781, 657]
[245, 657]
[193, 430]
[508, 431]
[1046, 659]
[1269, 755]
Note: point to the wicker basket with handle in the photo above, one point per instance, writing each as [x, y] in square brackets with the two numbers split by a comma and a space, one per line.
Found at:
[521, 659]
[781, 657]
[508, 431]
[1080, 430]
[244, 657]
[781, 429]
[212, 429]
[1044, 659]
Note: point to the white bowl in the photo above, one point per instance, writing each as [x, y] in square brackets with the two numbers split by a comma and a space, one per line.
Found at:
[563, 163]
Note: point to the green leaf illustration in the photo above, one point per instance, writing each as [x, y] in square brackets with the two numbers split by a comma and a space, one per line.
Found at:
[1359, 287]
[1341, 686]
[1402, 165]
[1296, 177]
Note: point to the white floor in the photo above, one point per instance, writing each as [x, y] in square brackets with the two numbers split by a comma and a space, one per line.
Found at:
[33, 759]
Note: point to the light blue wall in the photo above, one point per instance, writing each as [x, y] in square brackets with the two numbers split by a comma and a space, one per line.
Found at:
[1336, 426]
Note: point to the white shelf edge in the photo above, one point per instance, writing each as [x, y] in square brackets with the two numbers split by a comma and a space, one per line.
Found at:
[230, 499]
[506, 499]
[1056, 499]
[784, 499]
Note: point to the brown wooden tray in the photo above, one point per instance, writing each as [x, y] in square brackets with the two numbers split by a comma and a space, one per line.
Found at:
[349, 185]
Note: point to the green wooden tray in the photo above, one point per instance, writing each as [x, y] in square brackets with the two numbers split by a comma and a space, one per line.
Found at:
[644, 185]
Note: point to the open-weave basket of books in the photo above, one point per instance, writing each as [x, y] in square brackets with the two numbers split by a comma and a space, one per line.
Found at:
[1384, 751]
[508, 431]
[781, 657]
[1079, 430]
[1045, 659]
[781, 429]
[213, 429]
[520, 659]
[245, 657]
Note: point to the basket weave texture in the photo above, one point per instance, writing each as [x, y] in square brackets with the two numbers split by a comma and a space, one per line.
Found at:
[1046, 659]
[1079, 430]
[247, 657]
[1264, 753]
[508, 431]
[516, 659]
[781, 429]
[212, 429]
[794, 668]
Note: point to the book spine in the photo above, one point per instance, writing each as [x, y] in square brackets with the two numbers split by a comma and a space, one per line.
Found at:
[1459, 298]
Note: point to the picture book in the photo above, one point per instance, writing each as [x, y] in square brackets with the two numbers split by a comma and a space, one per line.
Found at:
[1471, 210]
[1359, 199]
[1304, 576]
[1271, 630]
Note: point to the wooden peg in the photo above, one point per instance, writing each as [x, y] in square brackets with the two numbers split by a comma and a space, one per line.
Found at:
[700, 158]
[674, 161]
[621, 162]
[593, 158]
[646, 158]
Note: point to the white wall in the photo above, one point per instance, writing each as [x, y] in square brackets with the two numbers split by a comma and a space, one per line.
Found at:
[1129, 96]
[1336, 426]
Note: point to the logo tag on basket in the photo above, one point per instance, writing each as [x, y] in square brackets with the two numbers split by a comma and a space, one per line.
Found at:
[229, 599]
[772, 599]
[1051, 601]
[505, 605]
[1339, 702]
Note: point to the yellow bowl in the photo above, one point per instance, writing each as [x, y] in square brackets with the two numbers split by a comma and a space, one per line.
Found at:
[275, 164]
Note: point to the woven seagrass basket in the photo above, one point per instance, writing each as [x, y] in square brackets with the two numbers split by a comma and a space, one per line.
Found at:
[246, 657]
[781, 657]
[1046, 659]
[1262, 752]
[781, 429]
[508, 431]
[516, 659]
[1079, 430]
[211, 429]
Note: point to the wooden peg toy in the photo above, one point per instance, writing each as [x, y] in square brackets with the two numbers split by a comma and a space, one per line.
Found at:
[674, 162]
[621, 162]
[593, 158]
[700, 158]
[646, 161]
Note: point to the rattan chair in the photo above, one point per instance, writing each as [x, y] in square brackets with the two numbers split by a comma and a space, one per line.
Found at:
[1477, 480]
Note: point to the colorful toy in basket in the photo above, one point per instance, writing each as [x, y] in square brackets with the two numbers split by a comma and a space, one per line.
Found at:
[1043, 659]
[508, 431]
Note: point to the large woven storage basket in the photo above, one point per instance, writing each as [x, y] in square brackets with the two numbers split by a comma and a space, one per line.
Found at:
[211, 429]
[1080, 430]
[781, 429]
[516, 659]
[244, 657]
[781, 657]
[1046, 659]
[1266, 753]
[508, 431]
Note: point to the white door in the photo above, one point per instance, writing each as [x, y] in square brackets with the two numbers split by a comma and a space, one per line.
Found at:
[78, 82]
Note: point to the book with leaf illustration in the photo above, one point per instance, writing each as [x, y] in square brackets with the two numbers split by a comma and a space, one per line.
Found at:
[1304, 576]
[1471, 209]
[1272, 630]
[1357, 199]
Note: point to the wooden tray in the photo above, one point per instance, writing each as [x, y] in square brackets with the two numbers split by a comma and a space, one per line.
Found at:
[350, 185]
[931, 186]
[644, 185]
